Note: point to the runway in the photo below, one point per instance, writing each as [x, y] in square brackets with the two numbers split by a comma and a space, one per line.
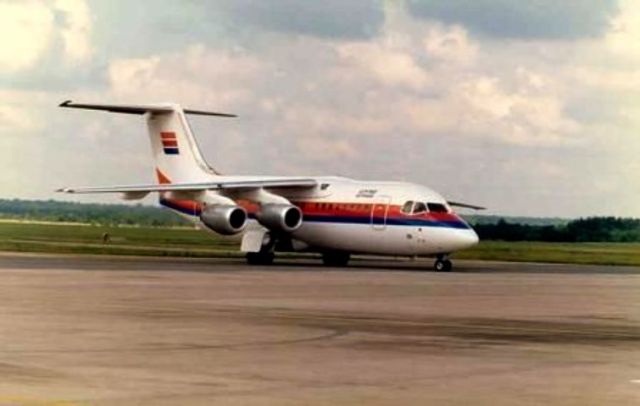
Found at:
[83, 330]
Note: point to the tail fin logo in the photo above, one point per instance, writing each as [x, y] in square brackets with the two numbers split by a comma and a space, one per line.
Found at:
[169, 143]
[162, 178]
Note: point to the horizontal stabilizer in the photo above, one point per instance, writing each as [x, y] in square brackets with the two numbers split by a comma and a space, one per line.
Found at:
[139, 109]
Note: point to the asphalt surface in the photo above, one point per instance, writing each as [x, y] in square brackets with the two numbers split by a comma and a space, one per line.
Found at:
[138, 331]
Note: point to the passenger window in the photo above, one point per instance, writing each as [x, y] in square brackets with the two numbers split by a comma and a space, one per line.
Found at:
[437, 208]
[419, 208]
[406, 208]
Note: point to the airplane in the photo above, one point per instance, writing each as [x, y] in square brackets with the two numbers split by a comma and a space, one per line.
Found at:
[331, 215]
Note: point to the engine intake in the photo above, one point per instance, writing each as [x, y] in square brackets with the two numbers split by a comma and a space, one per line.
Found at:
[225, 220]
[280, 217]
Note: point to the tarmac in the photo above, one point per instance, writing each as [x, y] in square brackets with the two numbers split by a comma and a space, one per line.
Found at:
[91, 330]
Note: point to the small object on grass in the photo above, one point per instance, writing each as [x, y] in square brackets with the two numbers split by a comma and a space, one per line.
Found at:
[106, 238]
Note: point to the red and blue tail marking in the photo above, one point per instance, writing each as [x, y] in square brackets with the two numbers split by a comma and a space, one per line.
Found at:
[169, 143]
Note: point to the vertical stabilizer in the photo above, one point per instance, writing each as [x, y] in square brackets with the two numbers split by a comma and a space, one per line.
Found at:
[175, 149]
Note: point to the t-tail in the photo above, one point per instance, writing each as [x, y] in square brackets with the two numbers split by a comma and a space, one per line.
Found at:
[175, 150]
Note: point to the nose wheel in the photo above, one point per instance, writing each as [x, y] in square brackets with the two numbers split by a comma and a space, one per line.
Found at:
[442, 264]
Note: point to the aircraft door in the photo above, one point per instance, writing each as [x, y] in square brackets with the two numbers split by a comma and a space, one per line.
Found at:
[379, 212]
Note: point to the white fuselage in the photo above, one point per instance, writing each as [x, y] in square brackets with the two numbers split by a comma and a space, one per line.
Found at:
[367, 217]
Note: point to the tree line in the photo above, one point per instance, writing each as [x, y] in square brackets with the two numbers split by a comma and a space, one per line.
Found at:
[90, 213]
[591, 229]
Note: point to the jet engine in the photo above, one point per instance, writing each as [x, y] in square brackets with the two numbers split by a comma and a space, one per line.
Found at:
[224, 219]
[280, 217]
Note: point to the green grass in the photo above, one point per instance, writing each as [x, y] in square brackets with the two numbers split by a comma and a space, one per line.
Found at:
[80, 239]
[573, 253]
[86, 239]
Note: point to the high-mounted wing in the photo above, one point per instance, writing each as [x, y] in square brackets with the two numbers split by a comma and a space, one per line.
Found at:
[466, 205]
[238, 184]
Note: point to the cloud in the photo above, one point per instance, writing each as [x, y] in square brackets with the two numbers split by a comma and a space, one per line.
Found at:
[30, 29]
[624, 36]
[388, 66]
[14, 120]
[126, 29]
[542, 19]
[450, 45]
[46, 44]
[75, 29]
[26, 29]
[197, 75]
[351, 19]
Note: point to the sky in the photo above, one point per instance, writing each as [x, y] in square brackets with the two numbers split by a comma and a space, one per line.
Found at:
[528, 108]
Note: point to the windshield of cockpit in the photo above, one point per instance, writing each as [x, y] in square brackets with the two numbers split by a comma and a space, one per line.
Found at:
[418, 207]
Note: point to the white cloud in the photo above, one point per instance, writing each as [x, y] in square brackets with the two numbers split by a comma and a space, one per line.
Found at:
[521, 116]
[29, 30]
[197, 76]
[26, 31]
[76, 32]
[15, 120]
[450, 44]
[624, 37]
[389, 66]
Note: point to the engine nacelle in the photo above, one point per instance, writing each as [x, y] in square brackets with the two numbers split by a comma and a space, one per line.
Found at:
[223, 219]
[280, 217]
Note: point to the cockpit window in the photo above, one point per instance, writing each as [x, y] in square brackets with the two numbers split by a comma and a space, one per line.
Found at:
[406, 208]
[437, 208]
[419, 208]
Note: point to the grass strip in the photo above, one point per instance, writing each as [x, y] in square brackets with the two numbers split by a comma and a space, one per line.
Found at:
[188, 242]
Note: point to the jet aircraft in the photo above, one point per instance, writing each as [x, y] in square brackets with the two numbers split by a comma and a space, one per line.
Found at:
[334, 216]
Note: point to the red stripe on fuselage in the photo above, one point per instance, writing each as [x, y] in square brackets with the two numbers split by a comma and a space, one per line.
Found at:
[168, 135]
[364, 209]
[337, 210]
[169, 143]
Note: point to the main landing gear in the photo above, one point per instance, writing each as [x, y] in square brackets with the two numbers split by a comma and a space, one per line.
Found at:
[266, 254]
[335, 258]
[442, 264]
[260, 258]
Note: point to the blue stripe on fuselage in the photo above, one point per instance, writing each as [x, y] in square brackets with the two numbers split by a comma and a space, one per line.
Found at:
[315, 218]
[318, 218]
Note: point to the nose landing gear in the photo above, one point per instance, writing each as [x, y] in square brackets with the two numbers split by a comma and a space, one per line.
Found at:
[442, 264]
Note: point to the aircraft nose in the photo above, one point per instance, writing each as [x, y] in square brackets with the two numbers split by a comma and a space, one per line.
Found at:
[468, 239]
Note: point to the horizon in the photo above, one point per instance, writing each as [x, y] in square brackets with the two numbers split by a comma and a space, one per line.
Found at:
[155, 204]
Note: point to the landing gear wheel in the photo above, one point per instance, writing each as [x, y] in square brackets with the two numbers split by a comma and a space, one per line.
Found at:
[335, 258]
[260, 258]
[442, 265]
